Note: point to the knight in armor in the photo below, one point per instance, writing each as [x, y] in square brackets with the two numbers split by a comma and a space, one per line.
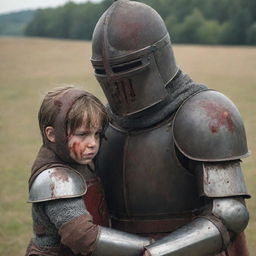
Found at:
[173, 146]
[68, 205]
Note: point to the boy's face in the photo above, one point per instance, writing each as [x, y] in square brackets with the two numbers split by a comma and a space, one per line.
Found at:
[84, 143]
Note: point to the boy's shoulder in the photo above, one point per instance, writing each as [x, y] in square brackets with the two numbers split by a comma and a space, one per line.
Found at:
[57, 183]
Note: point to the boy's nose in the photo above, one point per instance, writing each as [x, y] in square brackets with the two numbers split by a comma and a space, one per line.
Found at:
[92, 142]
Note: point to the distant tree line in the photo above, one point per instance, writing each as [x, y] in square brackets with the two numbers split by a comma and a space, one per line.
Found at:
[231, 22]
[13, 24]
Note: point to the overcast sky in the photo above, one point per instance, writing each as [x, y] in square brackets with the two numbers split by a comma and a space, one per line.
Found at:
[18, 5]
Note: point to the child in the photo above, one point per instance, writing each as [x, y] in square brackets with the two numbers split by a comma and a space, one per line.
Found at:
[68, 207]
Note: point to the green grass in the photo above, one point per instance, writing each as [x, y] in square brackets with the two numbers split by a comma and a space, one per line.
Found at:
[30, 67]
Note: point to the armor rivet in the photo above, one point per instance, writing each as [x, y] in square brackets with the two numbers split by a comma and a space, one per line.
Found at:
[153, 48]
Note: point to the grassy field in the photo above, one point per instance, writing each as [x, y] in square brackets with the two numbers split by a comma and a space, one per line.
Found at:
[30, 67]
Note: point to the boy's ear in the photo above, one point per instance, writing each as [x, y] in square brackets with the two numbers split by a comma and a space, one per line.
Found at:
[50, 133]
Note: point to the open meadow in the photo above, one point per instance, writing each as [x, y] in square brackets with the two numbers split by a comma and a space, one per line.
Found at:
[30, 67]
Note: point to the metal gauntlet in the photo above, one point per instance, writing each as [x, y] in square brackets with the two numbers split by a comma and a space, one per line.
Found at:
[206, 235]
[199, 238]
[112, 242]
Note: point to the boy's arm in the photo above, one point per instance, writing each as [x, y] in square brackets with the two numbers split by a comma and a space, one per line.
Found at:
[60, 192]
[79, 233]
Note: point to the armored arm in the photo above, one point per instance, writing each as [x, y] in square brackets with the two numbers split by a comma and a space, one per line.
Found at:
[224, 217]
[78, 232]
[113, 242]
[210, 139]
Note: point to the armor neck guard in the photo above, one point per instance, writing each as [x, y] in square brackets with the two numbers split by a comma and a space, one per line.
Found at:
[179, 89]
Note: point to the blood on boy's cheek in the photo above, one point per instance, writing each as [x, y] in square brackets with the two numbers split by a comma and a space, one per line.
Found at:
[75, 148]
[78, 149]
[83, 151]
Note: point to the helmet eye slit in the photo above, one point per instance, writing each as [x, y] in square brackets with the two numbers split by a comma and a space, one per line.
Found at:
[127, 66]
[99, 70]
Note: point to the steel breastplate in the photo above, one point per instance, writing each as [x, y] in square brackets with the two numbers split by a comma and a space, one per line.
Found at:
[142, 177]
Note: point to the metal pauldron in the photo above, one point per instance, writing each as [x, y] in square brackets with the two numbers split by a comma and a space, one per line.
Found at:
[112, 242]
[216, 127]
[57, 183]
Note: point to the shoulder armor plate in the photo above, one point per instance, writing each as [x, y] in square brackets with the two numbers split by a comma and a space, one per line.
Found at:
[223, 179]
[57, 183]
[209, 127]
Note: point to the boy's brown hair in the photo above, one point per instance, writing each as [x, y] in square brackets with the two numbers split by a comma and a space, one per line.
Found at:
[96, 115]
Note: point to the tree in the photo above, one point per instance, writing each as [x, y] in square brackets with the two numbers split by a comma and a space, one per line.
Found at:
[209, 32]
[188, 21]
[216, 9]
[37, 26]
[84, 20]
[188, 30]
[251, 34]
[235, 29]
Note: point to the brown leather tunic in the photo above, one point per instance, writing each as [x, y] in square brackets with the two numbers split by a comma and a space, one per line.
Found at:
[80, 233]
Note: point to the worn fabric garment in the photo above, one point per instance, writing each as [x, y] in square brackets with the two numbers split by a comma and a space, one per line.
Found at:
[237, 248]
[54, 220]
[63, 104]
[79, 234]
[48, 218]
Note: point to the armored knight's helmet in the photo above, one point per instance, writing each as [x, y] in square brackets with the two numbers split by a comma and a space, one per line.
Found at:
[132, 57]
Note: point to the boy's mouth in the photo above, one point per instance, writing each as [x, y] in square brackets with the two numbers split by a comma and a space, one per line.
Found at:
[89, 155]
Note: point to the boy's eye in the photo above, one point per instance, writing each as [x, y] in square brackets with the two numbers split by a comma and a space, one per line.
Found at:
[87, 133]
[81, 134]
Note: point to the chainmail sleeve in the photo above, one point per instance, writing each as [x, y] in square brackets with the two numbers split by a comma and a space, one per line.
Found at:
[74, 223]
[64, 210]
